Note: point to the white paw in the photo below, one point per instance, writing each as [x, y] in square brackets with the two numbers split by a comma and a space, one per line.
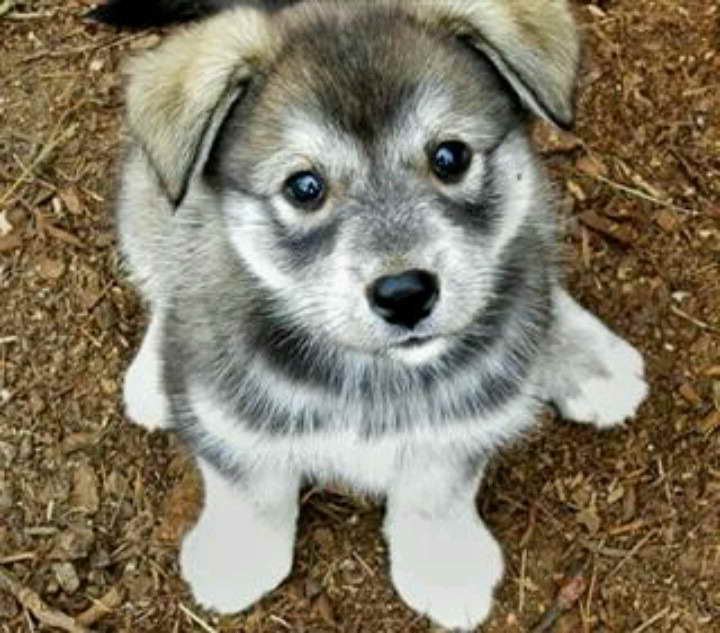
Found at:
[608, 387]
[143, 398]
[447, 569]
[229, 567]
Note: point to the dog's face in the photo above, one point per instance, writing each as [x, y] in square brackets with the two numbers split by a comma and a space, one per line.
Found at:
[371, 177]
[370, 180]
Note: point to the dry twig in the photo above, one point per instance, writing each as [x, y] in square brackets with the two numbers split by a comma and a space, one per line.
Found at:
[39, 608]
[569, 594]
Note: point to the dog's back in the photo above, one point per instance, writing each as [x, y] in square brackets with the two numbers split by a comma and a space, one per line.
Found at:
[144, 13]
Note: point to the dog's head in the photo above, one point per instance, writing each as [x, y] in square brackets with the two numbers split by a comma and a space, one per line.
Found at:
[371, 158]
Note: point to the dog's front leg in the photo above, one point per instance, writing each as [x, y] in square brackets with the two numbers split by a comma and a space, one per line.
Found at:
[242, 546]
[595, 376]
[443, 560]
[144, 398]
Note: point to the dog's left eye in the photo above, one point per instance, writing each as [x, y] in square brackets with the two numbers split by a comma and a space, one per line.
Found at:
[305, 189]
[450, 160]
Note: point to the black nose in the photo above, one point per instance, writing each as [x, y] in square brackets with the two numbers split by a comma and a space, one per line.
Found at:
[404, 299]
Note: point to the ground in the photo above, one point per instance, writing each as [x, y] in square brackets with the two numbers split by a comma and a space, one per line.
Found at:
[92, 508]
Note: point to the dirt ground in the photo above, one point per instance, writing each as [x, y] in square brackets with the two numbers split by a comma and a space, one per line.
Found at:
[92, 509]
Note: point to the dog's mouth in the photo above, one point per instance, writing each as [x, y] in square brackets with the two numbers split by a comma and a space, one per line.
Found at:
[414, 341]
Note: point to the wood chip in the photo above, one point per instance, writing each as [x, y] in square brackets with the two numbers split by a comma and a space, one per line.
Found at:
[602, 225]
[72, 201]
[688, 392]
[589, 518]
[100, 608]
[85, 489]
[5, 226]
[324, 608]
[66, 576]
[617, 494]
[50, 268]
[711, 423]
[629, 505]
[10, 242]
[63, 236]
[667, 220]
[73, 543]
[77, 441]
[576, 191]
[591, 165]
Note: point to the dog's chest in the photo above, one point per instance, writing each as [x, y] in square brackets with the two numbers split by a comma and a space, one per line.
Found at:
[346, 456]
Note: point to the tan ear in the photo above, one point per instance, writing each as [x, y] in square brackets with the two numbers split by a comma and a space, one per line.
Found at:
[179, 93]
[534, 44]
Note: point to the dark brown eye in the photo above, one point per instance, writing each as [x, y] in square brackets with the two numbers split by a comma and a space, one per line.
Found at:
[305, 189]
[451, 160]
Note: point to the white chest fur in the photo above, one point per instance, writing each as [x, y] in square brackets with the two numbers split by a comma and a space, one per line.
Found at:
[364, 464]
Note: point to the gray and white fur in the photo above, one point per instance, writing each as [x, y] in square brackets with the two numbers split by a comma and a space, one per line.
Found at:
[267, 350]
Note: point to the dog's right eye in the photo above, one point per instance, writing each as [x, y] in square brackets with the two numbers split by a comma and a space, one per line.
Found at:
[305, 189]
[451, 160]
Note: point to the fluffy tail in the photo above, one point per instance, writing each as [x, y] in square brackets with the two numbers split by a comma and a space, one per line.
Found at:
[145, 13]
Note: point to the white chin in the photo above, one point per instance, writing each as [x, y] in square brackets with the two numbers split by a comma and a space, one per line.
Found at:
[419, 353]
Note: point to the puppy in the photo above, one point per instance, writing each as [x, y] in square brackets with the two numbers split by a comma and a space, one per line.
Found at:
[349, 253]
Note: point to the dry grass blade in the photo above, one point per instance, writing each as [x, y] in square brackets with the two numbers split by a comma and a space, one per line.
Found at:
[6, 6]
[197, 619]
[37, 606]
[696, 322]
[648, 623]
[638, 193]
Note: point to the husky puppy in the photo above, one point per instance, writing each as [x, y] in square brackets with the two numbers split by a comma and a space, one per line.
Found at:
[348, 250]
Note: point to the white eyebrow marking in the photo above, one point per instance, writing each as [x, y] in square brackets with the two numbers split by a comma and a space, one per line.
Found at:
[309, 144]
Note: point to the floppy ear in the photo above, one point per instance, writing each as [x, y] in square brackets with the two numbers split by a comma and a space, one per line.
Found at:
[179, 93]
[533, 44]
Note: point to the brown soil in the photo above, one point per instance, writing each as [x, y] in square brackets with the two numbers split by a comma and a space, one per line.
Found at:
[92, 508]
